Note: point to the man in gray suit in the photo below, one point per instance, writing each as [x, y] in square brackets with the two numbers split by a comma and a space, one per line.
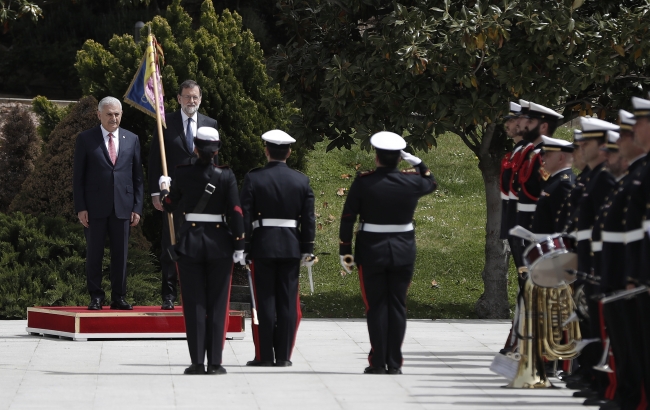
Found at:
[179, 150]
[108, 195]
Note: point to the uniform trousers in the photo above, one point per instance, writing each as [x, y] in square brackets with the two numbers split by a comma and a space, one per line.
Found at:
[384, 289]
[205, 287]
[275, 284]
[621, 320]
[118, 235]
[169, 275]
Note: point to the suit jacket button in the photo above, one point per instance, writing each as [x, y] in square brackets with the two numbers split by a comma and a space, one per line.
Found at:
[193, 224]
[217, 225]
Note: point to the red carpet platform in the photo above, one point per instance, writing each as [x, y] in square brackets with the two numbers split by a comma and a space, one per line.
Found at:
[143, 322]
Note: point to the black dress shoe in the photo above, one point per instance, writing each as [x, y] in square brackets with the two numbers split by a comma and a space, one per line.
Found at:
[394, 370]
[215, 369]
[167, 305]
[195, 369]
[283, 363]
[121, 304]
[374, 370]
[578, 385]
[586, 393]
[261, 363]
[595, 402]
[95, 304]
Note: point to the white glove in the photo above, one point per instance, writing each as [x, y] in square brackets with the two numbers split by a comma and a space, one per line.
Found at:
[411, 159]
[347, 266]
[307, 259]
[164, 180]
[239, 257]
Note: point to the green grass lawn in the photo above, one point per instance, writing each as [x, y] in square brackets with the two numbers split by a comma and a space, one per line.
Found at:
[450, 232]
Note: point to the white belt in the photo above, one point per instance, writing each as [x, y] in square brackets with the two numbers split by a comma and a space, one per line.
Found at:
[276, 223]
[633, 236]
[526, 207]
[646, 225]
[386, 228]
[584, 234]
[613, 237]
[512, 195]
[203, 218]
[504, 196]
[596, 246]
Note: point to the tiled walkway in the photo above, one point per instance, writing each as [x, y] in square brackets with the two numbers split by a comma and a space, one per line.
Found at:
[446, 367]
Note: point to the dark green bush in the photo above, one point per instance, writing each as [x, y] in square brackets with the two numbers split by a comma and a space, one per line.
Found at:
[42, 263]
[49, 115]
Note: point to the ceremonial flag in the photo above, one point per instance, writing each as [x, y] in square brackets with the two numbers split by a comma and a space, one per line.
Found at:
[141, 93]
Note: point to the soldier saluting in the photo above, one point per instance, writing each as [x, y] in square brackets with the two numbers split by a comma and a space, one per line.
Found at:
[385, 201]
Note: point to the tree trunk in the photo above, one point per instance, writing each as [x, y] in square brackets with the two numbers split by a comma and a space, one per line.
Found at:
[493, 303]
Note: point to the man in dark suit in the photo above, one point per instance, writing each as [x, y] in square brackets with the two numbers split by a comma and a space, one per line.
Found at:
[280, 227]
[384, 200]
[179, 150]
[108, 198]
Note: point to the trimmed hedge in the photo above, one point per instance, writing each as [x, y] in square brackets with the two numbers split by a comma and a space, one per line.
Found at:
[42, 263]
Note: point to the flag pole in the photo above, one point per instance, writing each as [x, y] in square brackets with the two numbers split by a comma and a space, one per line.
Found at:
[161, 139]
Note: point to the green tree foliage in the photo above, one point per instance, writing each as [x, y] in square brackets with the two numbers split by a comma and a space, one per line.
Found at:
[42, 263]
[19, 148]
[49, 115]
[422, 68]
[48, 190]
[224, 59]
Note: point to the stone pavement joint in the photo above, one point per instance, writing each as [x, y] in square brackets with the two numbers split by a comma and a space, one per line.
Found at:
[446, 366]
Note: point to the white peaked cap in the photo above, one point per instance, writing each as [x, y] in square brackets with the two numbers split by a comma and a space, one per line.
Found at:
[539, 111]
[207, 134]
[387, 140]
[626, 119]
[524, 103]
[555, 144]
[596, 128]
[278, 137]
[612, 137]
[641, 107]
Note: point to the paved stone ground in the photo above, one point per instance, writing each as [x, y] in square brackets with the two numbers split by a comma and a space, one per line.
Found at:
[446, 367]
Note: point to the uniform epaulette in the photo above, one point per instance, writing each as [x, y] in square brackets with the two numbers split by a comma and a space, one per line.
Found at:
[364, 173]
[256, 169]
[221, 166]
[410, 171]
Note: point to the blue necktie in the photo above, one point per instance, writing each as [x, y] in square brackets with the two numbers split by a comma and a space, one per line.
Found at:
[188, 135]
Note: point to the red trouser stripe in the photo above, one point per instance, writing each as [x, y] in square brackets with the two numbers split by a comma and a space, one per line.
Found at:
[298, 317]
[365, 302]
[643, 404]
[227, 318]
[256, 334]
[611, 387]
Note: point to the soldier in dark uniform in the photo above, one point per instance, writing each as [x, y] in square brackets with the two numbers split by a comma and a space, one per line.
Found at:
[384, 200]
[579, 163]
[636, 227]
[541, 121]
[621, 316]
[510, 127]
[557, 157]
[205, 193]
[278, 206]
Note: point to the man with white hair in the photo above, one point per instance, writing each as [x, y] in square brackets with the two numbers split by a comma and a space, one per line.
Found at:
[108, 187]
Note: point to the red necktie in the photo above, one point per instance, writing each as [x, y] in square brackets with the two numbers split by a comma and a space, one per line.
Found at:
[111, 148]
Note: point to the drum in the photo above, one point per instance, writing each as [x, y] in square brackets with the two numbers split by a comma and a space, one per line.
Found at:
[549, 259]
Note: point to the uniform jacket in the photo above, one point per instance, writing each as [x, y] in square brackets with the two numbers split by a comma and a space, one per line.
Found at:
[598, 184]
[548, 217]
[384, 196]
[614, 261]
[509, 167]
[570, 207]
[209, 240]
[531, 177]
[176, 150]
[634, 216]
[278, 192]
[98, 186]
